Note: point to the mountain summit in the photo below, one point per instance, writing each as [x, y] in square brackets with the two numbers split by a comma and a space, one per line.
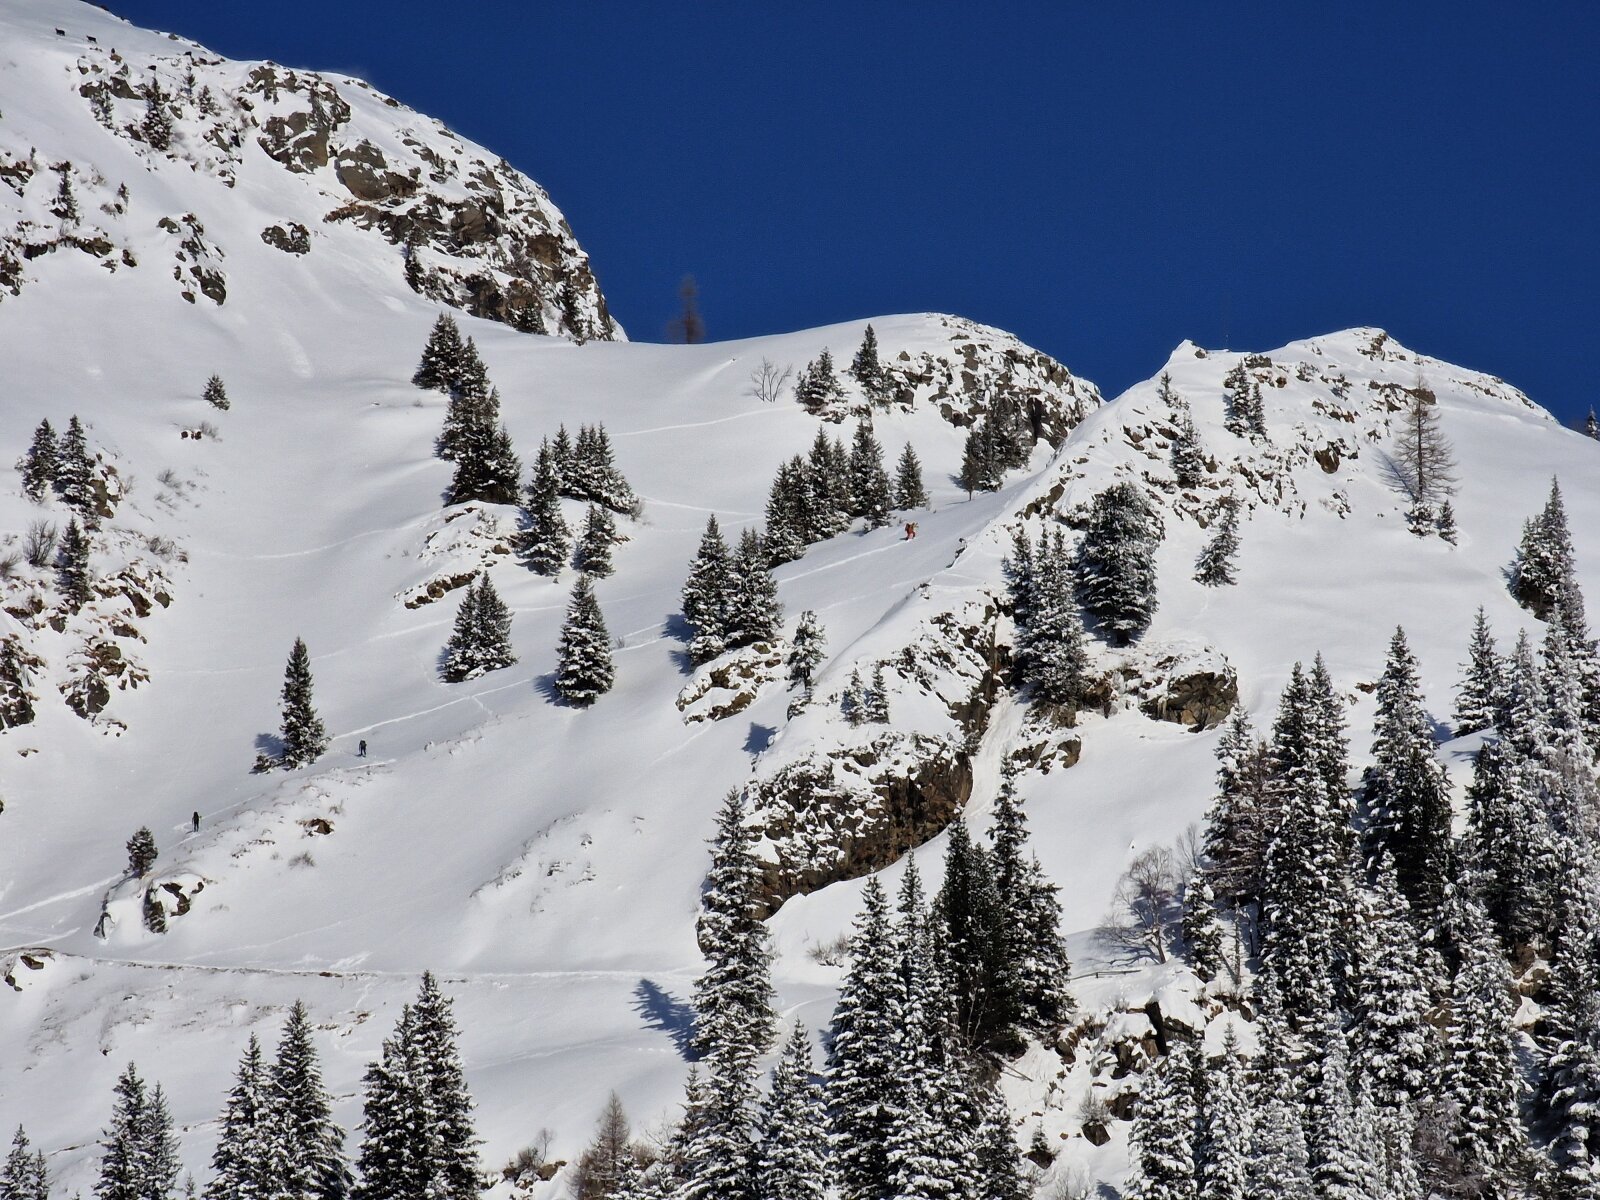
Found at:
[149, 153]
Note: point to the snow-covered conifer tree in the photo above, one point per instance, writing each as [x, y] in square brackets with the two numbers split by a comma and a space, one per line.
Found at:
[24, 1175]
[441, 357]
[594, 475]
[216, 393]
[1053, 658]
[1215, 566]
[583, 655]
[708, 595]
[481, 640]
[142, 852]
[72, 567]
[869, 481]
[139, 1158]
[1116, 572]
[487, 468]
[1480, 1074]
[435, 1034]
[1569, 1101]
[863, 1053]
[252, 1153]
[1255, 414]
[826, 476]
[997, 1168]
[316, 1169]
[1165, 1127]
[868, 371]
[753, 612]
[401, 1154]
[470, 407]
[1307, 903]
[817, 385]
[791, 1163]
[1446, 524]
[40, 464]
[877, 705]
[718, 1158]
[1237, 418]
[1279, 1159]
[1019, 569]
[545, 538]
[980, 469]
[854, 699]
[909, 492]
[1202, 930]
[1407, 794]
[472, 376]
[733, 997]
[929, 1151]
[787, 524]
[1223, 1168]
[1188, 456]
[1341, 1157]
[75, 471]
[1480, 680]
[418, 1138]
[156, 128]
[1393, 1051]
[598, 536]
[1544, 562]
[303, 734]
[564, 459]
[978, 970]
[808, 649]
[1029, 920]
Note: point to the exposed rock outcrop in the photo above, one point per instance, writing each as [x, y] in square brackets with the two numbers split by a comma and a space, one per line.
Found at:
[844, 815]
[462, 226]
[729, 685]
[841, 801]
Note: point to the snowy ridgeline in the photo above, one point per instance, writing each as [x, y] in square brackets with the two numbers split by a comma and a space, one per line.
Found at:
[528, 670]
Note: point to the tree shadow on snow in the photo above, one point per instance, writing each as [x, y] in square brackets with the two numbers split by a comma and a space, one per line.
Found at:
[663, 1011]
[269, 744]
[677, 628]
[759, 738]
[1395, 475]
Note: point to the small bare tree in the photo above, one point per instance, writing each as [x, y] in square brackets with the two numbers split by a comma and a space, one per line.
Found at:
[599, 1169]
[1144, 904]
[39, 546]
[767, 382]
[1423, 456]
[688, 326]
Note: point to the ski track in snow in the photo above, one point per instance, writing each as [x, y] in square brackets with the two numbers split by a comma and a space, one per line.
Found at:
[59, 897]
[345, 541]
[773, 410]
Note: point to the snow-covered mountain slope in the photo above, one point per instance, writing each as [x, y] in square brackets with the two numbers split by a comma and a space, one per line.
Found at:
[137, 151]
[546, 861]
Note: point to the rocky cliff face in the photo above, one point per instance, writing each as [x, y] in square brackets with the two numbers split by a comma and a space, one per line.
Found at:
[305, 155]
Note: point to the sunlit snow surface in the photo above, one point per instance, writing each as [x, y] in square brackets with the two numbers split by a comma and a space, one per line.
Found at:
[546, 861]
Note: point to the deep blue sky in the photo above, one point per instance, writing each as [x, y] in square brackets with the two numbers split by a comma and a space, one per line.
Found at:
[1104, 179]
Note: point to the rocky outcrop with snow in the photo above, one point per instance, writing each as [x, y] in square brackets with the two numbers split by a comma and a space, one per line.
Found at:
[123, 128]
